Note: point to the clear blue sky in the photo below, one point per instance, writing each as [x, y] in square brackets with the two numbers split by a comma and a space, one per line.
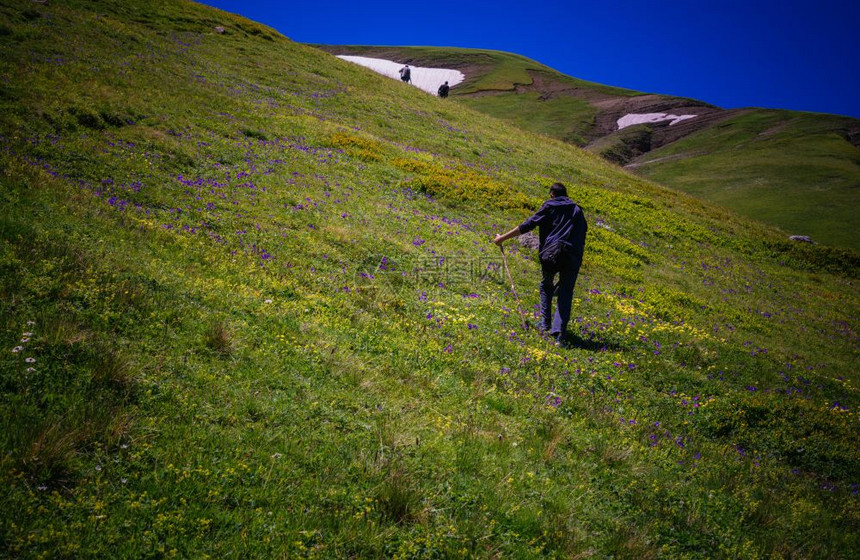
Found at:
[790, 54]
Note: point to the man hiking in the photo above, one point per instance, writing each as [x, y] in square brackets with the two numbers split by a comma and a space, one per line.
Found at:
[443, 90]
[406, 74]
[562, 229]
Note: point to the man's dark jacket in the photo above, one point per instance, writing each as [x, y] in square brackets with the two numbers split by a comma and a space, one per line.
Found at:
[562, 228]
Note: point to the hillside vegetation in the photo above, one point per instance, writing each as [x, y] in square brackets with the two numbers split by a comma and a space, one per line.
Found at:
[502, 85]
[250, 308]
[798, 171]
[781, 167]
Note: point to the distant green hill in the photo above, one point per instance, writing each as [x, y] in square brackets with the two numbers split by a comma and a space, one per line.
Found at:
[798, 171]
[250, 308]
[792, 169]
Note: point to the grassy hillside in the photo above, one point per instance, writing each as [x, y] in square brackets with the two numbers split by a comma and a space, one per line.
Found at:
[250, 308]
[788, 168]
[797, 171]
[501, 84]
[487, 70]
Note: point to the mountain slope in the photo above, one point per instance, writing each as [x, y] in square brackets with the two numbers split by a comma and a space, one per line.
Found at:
[788, 168]
[251, 308]
[750, 160]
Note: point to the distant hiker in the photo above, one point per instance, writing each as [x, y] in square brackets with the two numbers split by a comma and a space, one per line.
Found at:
[562, 229]
[406, 74]
[443, 90]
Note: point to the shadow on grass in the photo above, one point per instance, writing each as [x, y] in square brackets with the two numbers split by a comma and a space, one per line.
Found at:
[592, 344]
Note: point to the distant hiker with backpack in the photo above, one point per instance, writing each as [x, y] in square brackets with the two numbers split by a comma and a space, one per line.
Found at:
[406, 74]
[443, 90]
[562, 229]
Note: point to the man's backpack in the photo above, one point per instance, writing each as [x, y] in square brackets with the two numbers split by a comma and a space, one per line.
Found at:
[555, 252]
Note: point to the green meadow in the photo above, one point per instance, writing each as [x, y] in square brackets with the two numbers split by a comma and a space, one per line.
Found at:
[250, 308]
[788, 168]
[793, 170]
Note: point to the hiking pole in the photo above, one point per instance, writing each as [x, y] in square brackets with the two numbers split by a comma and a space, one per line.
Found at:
[513, 289]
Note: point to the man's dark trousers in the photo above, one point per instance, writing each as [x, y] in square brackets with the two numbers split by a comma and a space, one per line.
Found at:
[567, 268]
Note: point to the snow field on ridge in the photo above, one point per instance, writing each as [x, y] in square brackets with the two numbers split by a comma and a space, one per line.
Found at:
[426, 79]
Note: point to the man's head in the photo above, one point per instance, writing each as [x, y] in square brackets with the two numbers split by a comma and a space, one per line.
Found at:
[557, 190]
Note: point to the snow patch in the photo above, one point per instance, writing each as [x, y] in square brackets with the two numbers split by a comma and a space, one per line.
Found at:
[640, 118]
[427, 79]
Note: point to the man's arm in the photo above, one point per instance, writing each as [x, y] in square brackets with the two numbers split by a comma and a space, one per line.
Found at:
[524, 227]
[505, 236]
